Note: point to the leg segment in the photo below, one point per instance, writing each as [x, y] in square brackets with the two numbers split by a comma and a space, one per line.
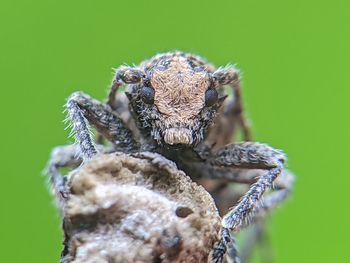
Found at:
[252, 156]
[230, 76]
[81, 128]
[62, 157]
[82, 108]
[226, 242]
[282, 187]
[124, 75]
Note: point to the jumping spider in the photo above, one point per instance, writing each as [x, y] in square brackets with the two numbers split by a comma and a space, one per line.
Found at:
[175, 105]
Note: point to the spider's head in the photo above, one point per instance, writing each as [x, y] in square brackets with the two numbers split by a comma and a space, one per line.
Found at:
[175, 100]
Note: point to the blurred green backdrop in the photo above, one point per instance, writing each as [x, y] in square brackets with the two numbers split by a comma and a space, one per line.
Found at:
[295, 59]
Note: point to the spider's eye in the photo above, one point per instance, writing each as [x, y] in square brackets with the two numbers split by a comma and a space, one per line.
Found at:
[147, 94]
[211, 97]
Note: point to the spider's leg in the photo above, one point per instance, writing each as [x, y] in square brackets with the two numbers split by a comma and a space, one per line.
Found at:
[83, 111]
[61, 157]
[235, 111]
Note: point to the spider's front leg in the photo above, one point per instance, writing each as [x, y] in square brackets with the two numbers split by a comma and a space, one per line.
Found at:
[83, 111]
[250, 155]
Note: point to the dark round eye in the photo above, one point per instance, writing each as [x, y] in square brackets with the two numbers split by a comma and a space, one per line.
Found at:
[147, 95]
[211, 97]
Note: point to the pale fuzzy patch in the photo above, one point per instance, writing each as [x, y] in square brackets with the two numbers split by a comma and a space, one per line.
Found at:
[178, 136]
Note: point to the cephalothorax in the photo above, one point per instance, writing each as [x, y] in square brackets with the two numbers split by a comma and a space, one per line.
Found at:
[175, 105]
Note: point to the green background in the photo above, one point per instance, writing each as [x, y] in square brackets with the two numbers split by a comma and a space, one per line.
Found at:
[295, 58]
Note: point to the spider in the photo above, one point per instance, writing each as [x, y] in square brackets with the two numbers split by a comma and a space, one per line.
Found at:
[175, 105]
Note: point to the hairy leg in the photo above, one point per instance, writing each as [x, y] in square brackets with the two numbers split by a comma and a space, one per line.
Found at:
[257, 235]
[227, 242]
[250, 155]
[282, 187]
[255, 164]
[62, 157]
[83, 111]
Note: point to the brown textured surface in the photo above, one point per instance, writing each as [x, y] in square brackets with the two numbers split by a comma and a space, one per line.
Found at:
[137, 209]
[178, 86]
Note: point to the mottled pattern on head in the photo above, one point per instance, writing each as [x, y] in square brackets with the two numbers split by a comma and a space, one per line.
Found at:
[179, 114]
[179, 90]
